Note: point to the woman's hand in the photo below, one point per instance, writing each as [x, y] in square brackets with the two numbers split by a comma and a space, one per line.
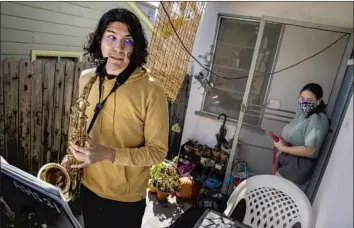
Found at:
[279, 145]
[91, 153]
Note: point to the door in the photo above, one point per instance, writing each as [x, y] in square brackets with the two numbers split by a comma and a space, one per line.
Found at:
[306, 53]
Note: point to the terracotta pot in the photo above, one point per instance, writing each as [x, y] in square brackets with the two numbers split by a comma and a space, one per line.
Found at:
[223, 156]
[216, 153]
[152, 189]
[186, 190]
[162, 195]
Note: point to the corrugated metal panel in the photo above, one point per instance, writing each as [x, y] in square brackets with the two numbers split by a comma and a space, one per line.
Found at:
[55, 26]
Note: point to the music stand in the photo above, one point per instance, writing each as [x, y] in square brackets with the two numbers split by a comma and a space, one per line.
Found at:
[26, 201]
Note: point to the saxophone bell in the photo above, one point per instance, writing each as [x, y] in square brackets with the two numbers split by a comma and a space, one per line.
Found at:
[58, 176]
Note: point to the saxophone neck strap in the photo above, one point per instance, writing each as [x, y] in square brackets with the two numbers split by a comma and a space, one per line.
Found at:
[120, 80]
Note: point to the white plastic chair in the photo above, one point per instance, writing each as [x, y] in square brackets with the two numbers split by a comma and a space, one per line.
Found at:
[271, 202]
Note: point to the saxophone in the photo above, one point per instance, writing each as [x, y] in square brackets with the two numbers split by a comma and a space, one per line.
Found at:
[67, 178]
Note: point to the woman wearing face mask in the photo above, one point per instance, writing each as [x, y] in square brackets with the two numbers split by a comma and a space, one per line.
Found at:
[305, 133]
[130, 133]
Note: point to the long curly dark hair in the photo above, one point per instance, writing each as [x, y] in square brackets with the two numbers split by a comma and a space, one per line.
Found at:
[93, 46]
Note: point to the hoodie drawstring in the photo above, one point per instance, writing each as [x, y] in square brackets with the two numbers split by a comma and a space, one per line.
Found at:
[114, 111]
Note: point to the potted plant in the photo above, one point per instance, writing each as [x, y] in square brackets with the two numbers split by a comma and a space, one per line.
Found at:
[166, 180]
[152, 187]
[223, 155]
[154, 174]
[207, 152]
[188, 148]
[188, 188]
[191, 142]
[216, 153]
[198, 148]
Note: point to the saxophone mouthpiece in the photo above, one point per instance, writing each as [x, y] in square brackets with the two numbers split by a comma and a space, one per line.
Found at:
[100, 61]
[101, 66]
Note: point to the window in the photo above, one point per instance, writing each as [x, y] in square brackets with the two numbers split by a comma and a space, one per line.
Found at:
[56, 56]
[234, 46]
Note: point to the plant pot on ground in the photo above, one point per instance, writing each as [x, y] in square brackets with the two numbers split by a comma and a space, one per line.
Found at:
[152, 187]
[188, 148]
[207, 152]
[188, 189]
[162, 196]
[191, 142]
[223, 156]
[216, 153]
[154, 174]
[166, 180]
[198, 149]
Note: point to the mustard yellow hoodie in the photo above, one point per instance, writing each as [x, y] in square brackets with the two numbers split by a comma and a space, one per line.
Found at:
[134, 121]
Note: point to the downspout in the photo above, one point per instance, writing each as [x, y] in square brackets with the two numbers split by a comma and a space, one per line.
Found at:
[141, 15]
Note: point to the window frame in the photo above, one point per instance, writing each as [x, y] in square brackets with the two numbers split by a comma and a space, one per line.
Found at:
[48, 53]
[221, 16]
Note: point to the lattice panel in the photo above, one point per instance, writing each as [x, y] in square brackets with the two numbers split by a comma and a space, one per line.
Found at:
[271, 208]
[168, 60]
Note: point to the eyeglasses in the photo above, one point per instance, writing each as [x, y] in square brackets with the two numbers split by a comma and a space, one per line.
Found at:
[309, 100]
[127, 42]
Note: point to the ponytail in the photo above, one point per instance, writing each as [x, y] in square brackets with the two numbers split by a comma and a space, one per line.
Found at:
[321, 108]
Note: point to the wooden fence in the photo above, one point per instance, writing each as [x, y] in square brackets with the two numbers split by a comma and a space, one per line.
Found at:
[35, 101]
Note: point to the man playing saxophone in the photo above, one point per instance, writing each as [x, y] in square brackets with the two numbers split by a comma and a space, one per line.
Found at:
[127, 123]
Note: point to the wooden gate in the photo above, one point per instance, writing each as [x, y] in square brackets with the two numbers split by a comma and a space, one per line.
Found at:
[35, 101]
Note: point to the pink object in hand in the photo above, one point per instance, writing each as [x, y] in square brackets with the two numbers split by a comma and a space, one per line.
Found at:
[274, 159]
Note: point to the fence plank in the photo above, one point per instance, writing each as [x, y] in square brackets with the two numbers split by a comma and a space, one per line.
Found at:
[58, 110]
[78, 69]
[36, 113]
[11, 82]
[2, 113]
[25, 90]
[48, 111]
[69, 78]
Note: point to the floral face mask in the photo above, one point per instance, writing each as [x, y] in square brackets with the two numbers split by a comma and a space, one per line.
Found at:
[306, 107]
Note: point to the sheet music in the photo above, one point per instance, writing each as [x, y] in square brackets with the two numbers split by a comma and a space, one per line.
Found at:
[2, 160]
[27, 201]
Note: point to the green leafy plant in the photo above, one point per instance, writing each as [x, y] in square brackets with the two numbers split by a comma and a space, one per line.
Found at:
[155, 172]
[207, 152]
[165, 177]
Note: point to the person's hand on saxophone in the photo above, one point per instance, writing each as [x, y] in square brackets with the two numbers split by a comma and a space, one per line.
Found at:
[91, 153]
